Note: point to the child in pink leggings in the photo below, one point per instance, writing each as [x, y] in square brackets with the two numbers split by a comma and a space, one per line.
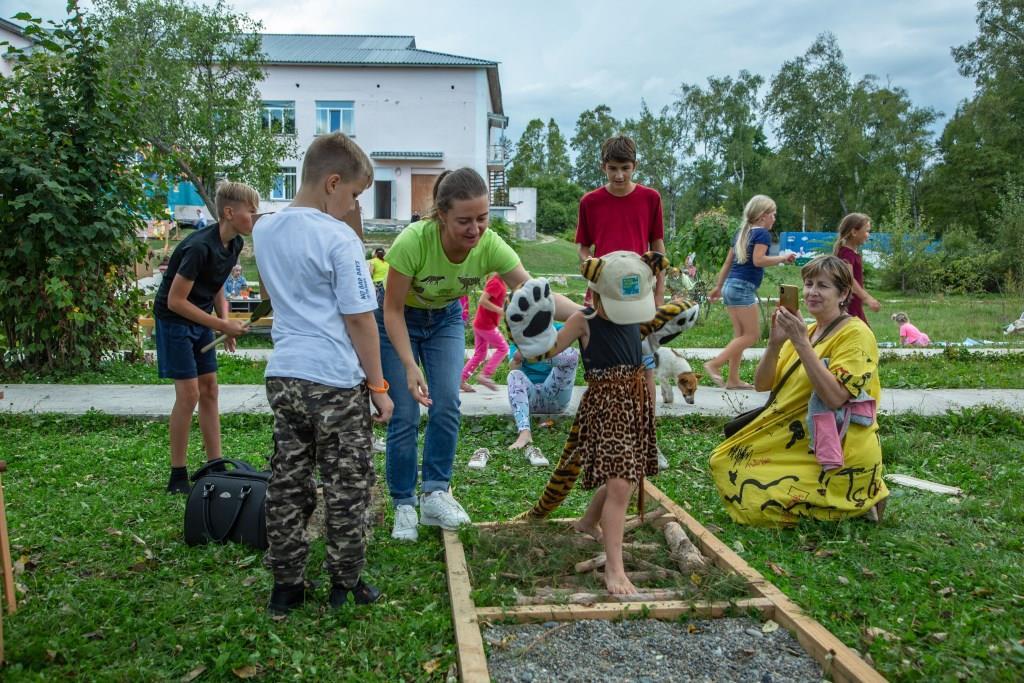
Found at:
[909, 334]
[486, 335]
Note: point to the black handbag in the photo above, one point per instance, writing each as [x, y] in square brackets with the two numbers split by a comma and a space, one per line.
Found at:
[746, 417]
[227, 505]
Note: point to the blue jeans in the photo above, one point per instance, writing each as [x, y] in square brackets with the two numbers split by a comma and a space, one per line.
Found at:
[438, 341]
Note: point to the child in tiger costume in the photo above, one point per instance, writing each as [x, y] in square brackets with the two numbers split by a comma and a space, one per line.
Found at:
[612, 439]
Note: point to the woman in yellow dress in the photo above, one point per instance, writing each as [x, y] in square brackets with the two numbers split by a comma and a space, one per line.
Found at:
[766, 472]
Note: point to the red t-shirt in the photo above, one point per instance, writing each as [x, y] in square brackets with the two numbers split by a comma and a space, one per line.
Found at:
[495, 291]
[856, 306]
[609, 223]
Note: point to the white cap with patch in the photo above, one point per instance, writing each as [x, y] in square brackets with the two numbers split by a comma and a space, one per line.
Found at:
[626, 285]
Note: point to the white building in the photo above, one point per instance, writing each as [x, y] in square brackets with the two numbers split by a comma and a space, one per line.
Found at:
[415, 113]
[10, 33]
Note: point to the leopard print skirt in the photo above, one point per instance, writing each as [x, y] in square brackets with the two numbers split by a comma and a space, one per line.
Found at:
[616, 427]
[611, 436]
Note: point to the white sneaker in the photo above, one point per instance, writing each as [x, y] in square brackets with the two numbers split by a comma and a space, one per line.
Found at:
[478, 461]
[535, 457]
[441, 509]
[379, 446]
[405, 523]
[662, 461]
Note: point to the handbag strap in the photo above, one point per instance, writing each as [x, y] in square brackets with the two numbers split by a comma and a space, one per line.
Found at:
[792, 368]
[208, 490]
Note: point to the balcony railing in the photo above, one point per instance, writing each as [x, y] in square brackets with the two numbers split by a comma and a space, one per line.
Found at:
[496, 155]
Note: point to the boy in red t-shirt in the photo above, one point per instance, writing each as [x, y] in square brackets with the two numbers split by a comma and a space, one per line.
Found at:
[623, 216]
[486, 335]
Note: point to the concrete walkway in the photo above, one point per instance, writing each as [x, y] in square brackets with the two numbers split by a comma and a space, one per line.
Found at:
[708, 353]
[156, 400]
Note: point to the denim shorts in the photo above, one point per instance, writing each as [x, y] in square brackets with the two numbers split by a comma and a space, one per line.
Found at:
[177, 350]
[738, 292]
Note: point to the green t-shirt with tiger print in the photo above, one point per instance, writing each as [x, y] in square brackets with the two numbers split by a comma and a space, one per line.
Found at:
[436, 281]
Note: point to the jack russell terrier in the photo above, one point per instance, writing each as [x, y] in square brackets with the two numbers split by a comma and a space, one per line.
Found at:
[672, 369]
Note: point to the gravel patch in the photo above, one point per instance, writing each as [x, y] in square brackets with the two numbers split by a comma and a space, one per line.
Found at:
[646, 651]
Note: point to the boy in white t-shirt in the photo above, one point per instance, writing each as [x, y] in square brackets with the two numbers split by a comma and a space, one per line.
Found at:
[323, 374]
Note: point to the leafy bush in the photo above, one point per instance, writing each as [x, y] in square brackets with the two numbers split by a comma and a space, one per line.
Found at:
[908, 266]
[71, 197]
[1008, 228]
[709, 235]
[558, 202]
[505, 230]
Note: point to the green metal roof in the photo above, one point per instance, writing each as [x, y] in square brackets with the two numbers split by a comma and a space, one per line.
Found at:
[406, 155]
[356, 50]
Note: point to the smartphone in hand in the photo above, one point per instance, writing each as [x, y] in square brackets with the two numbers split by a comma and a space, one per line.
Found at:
[789, 298]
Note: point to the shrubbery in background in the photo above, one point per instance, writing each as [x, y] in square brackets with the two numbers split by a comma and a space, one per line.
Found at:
[72, 197]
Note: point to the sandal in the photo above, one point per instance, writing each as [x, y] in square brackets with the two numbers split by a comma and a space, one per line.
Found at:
[478, 460]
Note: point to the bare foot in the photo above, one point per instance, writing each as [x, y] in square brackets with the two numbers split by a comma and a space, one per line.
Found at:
[593, 531]
[619, 584]
[487, 382]
[714, 374]
[525, 438]
[742, 386]
[465, 386]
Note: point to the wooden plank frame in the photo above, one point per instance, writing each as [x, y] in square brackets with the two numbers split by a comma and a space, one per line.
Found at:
[835, 658]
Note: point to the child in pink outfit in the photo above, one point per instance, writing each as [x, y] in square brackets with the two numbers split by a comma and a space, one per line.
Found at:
[910, 335]
[486, 335]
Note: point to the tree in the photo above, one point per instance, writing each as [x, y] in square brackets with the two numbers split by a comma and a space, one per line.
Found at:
[197, 69]
[808, 103]
[556, 162]
[529, 160]
[593, 127]
[663, 142]
[71, 199]
[985, 137]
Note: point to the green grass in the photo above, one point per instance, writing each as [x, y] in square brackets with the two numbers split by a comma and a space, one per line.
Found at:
[552, 256]
[101, 604]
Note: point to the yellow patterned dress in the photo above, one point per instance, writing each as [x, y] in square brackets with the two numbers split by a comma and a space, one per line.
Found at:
[765, 473]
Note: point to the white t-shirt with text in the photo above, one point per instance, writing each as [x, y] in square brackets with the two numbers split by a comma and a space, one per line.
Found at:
[313, 267]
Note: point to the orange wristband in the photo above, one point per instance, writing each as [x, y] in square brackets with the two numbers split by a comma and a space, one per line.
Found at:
[379, 390]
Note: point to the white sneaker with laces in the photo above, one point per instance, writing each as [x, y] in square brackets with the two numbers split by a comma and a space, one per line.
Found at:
[535, 457]
[441, 509]
[662, 461]
[379, 446]
[478, 460]
[405, 524]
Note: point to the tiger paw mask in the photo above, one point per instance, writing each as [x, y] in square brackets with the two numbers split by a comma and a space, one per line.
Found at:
[530, 316]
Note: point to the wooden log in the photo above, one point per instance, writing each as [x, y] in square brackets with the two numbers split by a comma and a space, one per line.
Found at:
[547, 596]
[635, 522]
[591, 564]
[682, 549]
[651, 547]
[671, 609]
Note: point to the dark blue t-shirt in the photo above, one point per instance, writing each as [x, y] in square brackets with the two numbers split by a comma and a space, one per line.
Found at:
[748, 271]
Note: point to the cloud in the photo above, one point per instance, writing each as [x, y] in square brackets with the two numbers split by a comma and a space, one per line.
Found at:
[561, 57]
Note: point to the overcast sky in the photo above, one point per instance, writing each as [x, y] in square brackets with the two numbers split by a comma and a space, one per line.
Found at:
[560, 57]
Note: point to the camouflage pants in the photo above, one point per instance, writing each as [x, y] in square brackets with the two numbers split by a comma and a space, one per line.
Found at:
[320, 425]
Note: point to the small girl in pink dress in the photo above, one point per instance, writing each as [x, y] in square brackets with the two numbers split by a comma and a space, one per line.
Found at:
[910, 335]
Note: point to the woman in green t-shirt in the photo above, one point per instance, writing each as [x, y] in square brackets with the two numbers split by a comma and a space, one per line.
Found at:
[432, 263]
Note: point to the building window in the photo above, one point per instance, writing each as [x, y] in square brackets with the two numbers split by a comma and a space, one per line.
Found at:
[333, 117]
[284, 184]
[279, 117]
